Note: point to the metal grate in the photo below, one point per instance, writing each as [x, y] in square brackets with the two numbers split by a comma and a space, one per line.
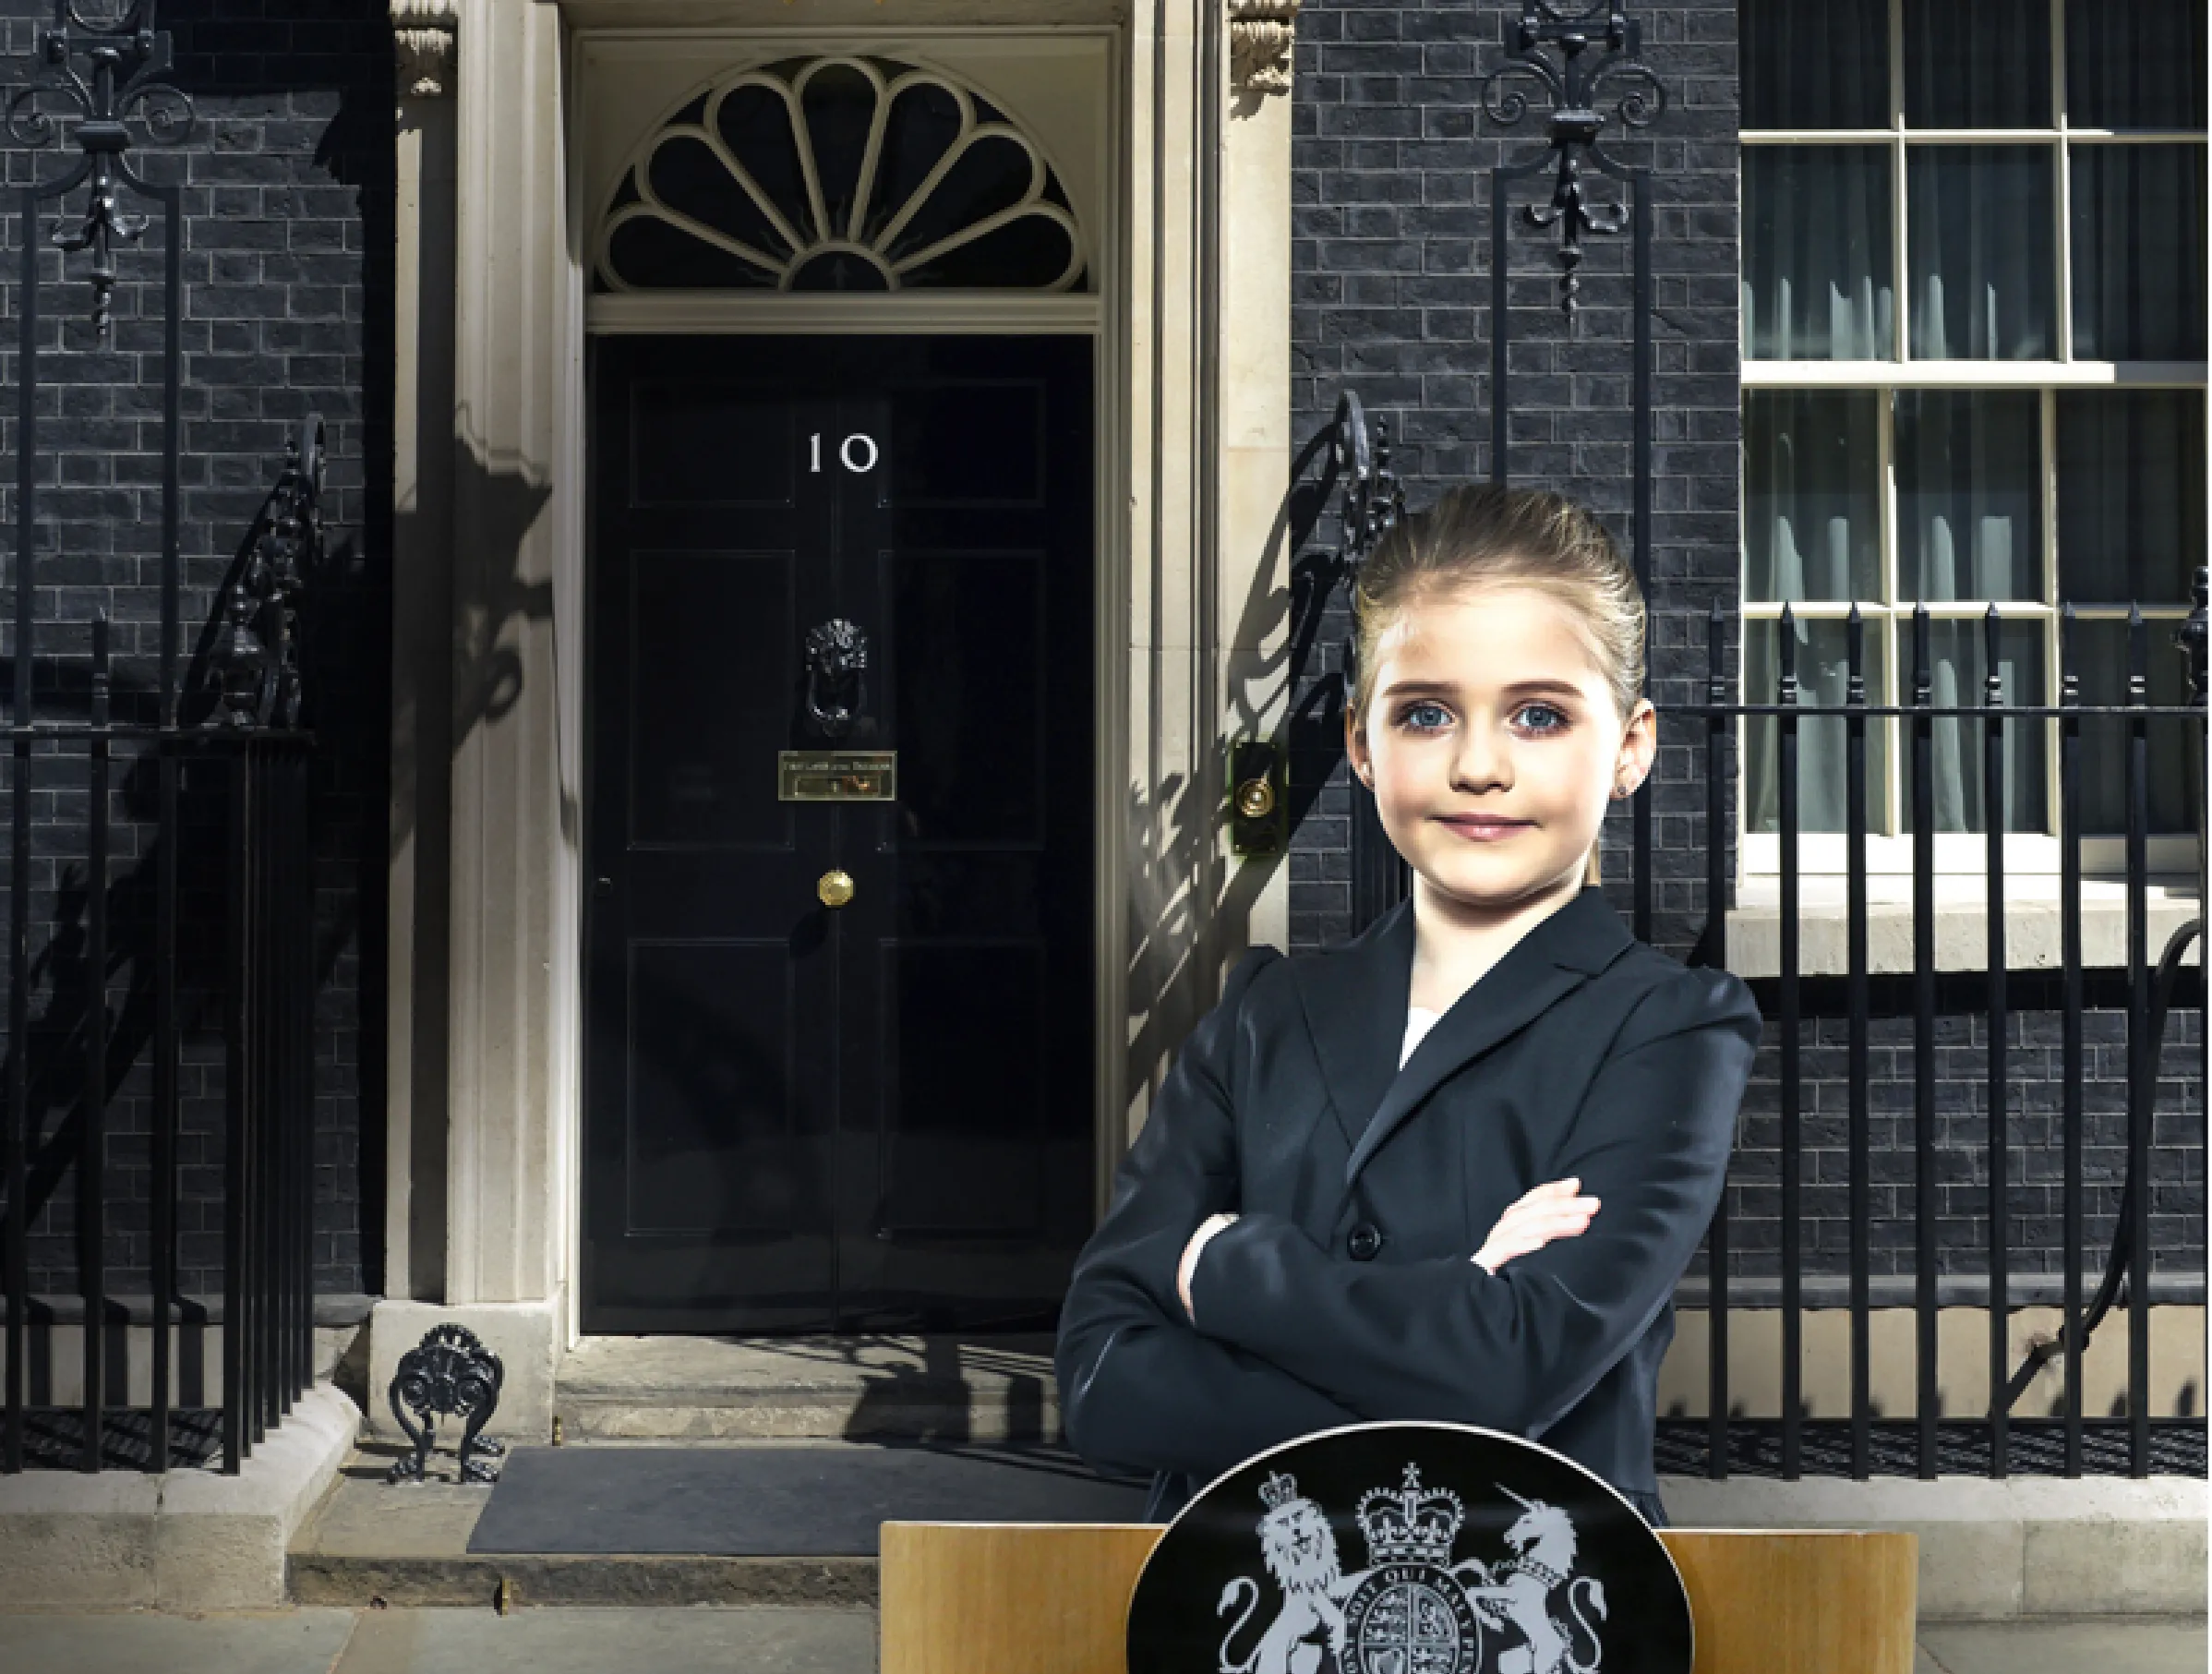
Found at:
[53, 1437]
[2033, 1447]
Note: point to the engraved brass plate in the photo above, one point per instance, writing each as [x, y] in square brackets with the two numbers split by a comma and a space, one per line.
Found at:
[836, 776]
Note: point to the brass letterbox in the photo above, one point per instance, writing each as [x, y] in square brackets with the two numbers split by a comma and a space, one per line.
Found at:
[836, 776]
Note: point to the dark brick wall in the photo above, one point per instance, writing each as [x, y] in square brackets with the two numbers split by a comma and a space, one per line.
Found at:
[2035, 1140]
[1390, 276]
[288, 200]
[1390, 264]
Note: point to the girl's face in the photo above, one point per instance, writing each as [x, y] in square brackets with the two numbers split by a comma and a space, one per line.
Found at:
[1493, 744]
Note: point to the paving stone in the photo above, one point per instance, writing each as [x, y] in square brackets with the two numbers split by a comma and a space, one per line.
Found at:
[286, 1642]
[803, 1641]
[593, 1640]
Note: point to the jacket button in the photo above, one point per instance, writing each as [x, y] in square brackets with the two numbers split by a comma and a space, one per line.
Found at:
[1366, 1239]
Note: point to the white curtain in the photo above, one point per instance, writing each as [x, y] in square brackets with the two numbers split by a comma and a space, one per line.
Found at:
[1969, 495]
[2131, 493]
[1982, 283]
[1812, 502]
[2131, 498]
[1823, 673]
[1814, 64]
[2130, 66]
[2138, 238]
[1813, 531]
[1817, 265]
[1957, 667]
[1981, 243]
[1975, 63]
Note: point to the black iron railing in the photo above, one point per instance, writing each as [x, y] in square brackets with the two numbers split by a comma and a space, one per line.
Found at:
[2147, 989]
[178, 913]
[2150, 987]
[225, 857]
[1580, 67]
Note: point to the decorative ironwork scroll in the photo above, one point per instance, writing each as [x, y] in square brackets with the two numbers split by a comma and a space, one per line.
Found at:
[1582, 61]
[1373, 505]
[255, 660]
[111, 69]
[1593, 56]
[449, 1373]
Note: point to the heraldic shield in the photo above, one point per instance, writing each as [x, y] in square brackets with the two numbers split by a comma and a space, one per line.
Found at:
[1410, 1548]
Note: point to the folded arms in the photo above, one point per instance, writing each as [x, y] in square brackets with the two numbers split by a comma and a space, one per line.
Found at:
[1291, 1337]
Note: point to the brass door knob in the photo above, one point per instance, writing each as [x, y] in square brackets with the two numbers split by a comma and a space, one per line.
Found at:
[834, 887]
[1256, 799]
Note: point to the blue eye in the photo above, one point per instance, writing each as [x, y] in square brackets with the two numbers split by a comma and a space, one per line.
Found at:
[1411, 710]
[1557, 721]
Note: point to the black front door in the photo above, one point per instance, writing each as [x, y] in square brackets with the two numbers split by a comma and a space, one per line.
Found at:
[838, 1069]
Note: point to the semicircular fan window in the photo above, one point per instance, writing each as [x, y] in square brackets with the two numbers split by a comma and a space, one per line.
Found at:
[839, 174]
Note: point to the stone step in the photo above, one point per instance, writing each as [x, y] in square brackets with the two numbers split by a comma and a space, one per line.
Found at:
[2021, 1546]
[372, 1544]
[937, 1388]
[509, 1582]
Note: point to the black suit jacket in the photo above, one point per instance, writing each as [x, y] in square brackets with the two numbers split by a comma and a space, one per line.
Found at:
[1345, 1291]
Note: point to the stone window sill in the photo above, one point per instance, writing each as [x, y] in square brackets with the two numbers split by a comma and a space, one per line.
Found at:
[2033, 932]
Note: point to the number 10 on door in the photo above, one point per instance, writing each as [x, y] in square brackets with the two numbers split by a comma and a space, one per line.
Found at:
[856, 453]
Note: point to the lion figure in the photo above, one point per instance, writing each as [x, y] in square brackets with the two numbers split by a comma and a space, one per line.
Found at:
[1300, 1548]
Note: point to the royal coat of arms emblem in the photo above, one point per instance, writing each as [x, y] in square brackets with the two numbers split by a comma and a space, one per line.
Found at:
[1414, 1609]
[1496, 1581]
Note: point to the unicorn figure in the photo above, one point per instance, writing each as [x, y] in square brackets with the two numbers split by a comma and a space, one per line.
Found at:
[1519, 1591]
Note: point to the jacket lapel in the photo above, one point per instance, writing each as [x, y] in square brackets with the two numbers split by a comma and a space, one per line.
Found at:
[1355, 1004]
[1350, 995]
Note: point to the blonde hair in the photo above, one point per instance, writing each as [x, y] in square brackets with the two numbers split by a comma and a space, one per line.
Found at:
[1485, 536]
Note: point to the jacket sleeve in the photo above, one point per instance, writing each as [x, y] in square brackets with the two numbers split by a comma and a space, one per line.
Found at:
[1441, 1339]
[1139, 1389]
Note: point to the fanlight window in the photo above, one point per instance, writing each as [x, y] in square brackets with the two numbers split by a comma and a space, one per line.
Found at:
[839, 174]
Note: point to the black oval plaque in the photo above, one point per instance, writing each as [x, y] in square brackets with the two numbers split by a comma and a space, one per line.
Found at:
[1410, 1548]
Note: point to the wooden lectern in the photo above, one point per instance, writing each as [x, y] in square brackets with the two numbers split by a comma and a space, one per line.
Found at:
[1053, 1599]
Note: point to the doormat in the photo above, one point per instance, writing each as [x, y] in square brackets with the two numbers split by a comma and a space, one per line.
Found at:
[819, 1500]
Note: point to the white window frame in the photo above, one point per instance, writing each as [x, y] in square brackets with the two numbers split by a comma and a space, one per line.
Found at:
[1890, 849]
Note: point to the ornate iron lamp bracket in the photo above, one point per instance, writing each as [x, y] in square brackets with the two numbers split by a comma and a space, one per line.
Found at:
[1373, 502]
[255, 665]
[1372, 505]
[449, 1372]
[124, 74]
[1578, 61]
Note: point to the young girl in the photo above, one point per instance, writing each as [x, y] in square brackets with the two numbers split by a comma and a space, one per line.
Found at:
[1454, 1169]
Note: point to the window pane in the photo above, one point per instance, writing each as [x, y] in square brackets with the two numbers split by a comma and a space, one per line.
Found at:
[1977, 64]
[1979, 235]
[1956, 666]
[1823, 670]
[1969, 495]
[1812, 495]
[2135, 65]
[2100, 656]
[1814, 64]
[2138, 244]
[1815, 262]
[2131, 494]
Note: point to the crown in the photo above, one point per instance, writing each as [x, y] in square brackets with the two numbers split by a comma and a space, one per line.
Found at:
[1412, 1523]
[1278, 1489]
